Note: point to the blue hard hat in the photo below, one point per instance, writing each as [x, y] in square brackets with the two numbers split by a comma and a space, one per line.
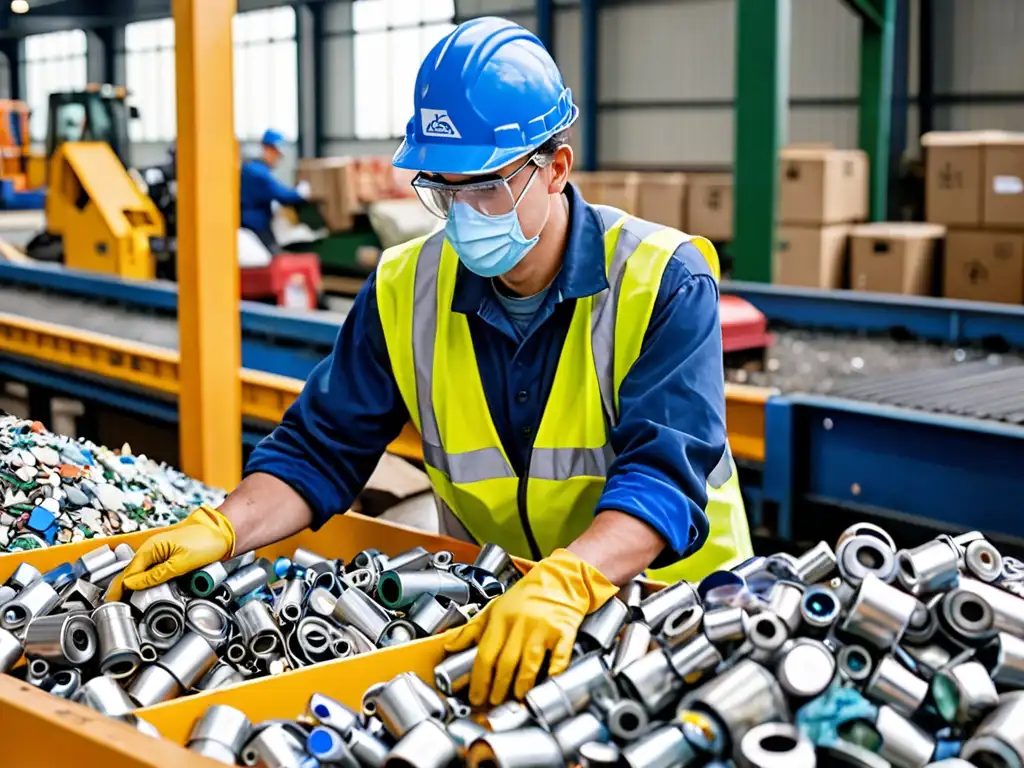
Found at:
[272, 138]
[486, 94]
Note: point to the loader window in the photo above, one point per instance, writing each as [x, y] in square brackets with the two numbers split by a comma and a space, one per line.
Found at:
[71, 123]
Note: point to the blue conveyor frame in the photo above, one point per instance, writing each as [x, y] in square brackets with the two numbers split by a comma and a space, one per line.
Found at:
[946, 471]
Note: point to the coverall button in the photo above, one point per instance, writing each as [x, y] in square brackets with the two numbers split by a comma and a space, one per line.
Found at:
[522, 396]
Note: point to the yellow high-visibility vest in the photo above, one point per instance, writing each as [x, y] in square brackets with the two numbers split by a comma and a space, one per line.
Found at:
[432, 358]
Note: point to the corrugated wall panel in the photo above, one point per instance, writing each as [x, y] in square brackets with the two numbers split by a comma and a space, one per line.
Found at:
[667, 51]
[567, 54]
[509, 9]
[987, 46]
[5, 78]
[825, 50]
[675, 62]
[666, 138]
[969, 117]
[835, 125]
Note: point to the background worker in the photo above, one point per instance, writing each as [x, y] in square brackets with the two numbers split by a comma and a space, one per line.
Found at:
[259, 189]
[562, 362]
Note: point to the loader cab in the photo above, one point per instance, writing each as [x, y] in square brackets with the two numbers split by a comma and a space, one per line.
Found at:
[99, 113]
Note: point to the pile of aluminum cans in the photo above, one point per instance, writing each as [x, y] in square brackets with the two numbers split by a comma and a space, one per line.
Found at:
[228, 622]
[858, 655]
[55, 490]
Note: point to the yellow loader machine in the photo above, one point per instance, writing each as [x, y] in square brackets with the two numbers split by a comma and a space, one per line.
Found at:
[97, 217]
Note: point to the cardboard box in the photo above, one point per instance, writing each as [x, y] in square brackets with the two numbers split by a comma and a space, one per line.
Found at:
[710, 206]
[619, 189]
[1003, 206]
[823, 186]
[982, 265]
[894, 257]
[953, 177]
[661, 198]
[814, 257]
[334, 185]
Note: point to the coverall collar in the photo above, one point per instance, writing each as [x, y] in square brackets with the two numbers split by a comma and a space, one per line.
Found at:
[582, 272]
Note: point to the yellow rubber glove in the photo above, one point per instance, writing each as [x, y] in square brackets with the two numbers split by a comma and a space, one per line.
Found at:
[202, 538]
[541, 613]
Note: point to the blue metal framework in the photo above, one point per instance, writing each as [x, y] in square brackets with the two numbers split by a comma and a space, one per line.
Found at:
[938, 469]
[944, 471]
[943, 320]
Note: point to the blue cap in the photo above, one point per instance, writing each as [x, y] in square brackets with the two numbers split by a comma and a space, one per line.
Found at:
[272, 138]
[488, 93]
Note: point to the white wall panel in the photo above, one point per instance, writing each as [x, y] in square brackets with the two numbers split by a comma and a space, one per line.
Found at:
[836, 125]
[567, 55]
[665, 138]
[987, 48]
[913, 74]
[5, 78]
[467, 9]
[825, 49]
[667, 51]
[364, 147]
[970, 117]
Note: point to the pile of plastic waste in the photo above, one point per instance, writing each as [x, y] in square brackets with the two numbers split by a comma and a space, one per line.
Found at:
[56, 490]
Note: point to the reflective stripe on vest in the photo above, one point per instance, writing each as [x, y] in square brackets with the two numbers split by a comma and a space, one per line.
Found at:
[571, 455]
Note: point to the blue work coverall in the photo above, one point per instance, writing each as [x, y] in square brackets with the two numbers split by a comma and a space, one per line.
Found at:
[671, 431]
[258, 190]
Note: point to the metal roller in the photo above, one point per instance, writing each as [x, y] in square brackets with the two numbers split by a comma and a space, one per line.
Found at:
[775, 745]
[523, 748]
[425, 745]
[880, 614]
[398, 589]
[569, 693]
[36, 599]
[120, 653]
[66, 639]
[600, 629]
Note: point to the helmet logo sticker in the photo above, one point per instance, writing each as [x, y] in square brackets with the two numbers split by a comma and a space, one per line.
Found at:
[436, 122]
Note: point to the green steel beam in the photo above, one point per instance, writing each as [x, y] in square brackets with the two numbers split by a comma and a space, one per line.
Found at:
[870, 11]
[762, 106]
[875, 114]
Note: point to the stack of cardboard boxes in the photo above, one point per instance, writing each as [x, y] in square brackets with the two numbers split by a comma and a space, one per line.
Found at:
[343, 186]
[822, 192]
[699, 203]
[975, 187]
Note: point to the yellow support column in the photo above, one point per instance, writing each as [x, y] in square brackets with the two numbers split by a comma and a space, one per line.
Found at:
[208, 218]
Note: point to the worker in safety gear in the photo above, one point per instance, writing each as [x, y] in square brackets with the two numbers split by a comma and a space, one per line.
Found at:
[259, 189]
[562, 362]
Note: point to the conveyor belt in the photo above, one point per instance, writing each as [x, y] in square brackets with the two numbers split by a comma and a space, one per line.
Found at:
[119, 321]
[981, 390]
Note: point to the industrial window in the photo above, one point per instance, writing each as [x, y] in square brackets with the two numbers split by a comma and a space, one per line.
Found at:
[391, 39]
[266, 73]
[149, 70]
[53, 62]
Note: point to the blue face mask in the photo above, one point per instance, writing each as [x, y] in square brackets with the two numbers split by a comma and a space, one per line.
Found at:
[488, 245]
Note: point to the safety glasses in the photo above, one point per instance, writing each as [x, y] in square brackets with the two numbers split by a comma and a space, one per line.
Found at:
[491, 195]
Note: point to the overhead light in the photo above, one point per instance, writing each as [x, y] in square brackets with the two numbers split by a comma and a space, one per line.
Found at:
[19, 6]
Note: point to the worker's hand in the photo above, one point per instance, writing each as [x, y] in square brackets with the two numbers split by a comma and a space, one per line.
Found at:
[303, 188]
[202, 538]
[540, 613]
